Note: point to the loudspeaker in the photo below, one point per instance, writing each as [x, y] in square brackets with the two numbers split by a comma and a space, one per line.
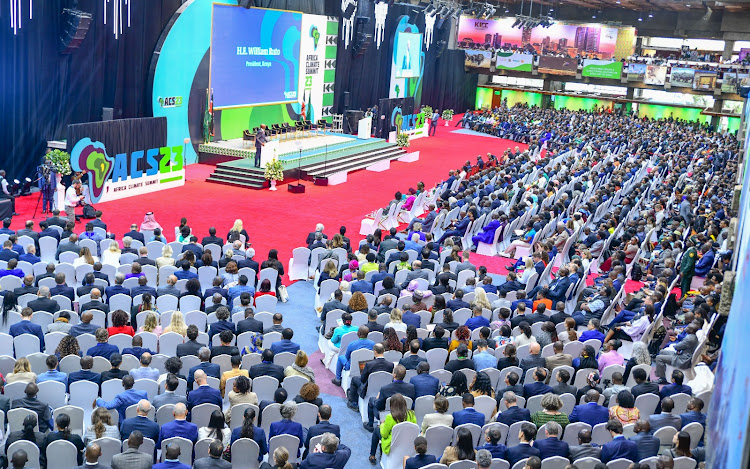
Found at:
[361, 43]
[346, 100]
[75, 26]
[296, 188]
[245, 3]
[108, 113]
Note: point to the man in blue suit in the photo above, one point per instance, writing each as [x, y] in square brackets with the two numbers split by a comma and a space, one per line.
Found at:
[324, 415]
[619, 447]
[469, 414]
[694, 414]
[648, 444]
[330, 454]
[590, 412]
[424, 383]
[178, 427]
[185, 273]
[211, 369]
[458, 301]
[523, 450]
[666, 418]
[117, 288]
[551, 445]
[102, 348]
[61, 288]
[513, 413]
[537, 388]
[143, 288]
[204, 393]
[125, 399]
[140, 422]
[25, 326]
[492, 443]
[676, 387]
[171, 459]
[285, 344]
[361, 284]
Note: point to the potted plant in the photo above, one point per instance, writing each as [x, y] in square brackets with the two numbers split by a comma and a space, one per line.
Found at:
[274, 172]
[447, 116]
[60, 162]
[427, 110]
[402, 140]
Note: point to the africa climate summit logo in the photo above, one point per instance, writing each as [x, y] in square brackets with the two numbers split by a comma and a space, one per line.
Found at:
[315, 34]
[92, 157]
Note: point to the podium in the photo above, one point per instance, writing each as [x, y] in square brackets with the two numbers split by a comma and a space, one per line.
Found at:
[269, 151]
[364, 130]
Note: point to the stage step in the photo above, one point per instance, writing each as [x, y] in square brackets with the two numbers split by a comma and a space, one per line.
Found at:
[242, 177]
[354, 163]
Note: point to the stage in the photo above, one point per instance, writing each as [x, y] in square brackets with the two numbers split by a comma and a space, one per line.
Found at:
[315, 157]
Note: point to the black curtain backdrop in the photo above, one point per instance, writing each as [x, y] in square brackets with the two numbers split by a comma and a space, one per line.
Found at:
[367, 77]
[122, 135]
[42, 91]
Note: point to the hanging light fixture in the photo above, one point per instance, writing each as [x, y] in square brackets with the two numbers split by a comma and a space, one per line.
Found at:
[117, 9]
[16, 14]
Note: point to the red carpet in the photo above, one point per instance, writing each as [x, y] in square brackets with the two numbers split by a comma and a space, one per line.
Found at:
[280, 219]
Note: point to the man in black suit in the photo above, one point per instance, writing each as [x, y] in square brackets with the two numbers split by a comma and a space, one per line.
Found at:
[95, 303]
[643, 384]
[43, 302]
[267, 367]
[534, 360]
[216, 288]
[61, 288]
[47, 231]
[524, 449]
[30, 402]
[513, 413]
[412, 360]
[372, 321]
[445, 273]
[398, 386]
[335, 303]
[56, 220]
[210, 369]
[563, 386]
[249, 324]
[358, 387]
[216, 300]
[135, 234]
[462, 360]
[390, 242]
[437, 340]
[191, 346]
[260, 142]
[142, 288]
[311, 235]
[324, 426]
[27, 287]
[212, 238]
[538, 387]
[193, 246]
[86, 285]
[87, 363]
[29, 231]
[226, 348]
[511, 384]
[70, 246]
[98, 272]
[249, 262]
[143, 258]
[97, 221]
[117, 288]
[49, 273]
[127, 246]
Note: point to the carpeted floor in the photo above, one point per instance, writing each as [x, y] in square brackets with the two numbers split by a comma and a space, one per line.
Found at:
[280, 219]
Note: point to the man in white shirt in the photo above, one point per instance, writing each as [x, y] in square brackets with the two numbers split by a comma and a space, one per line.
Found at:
[71, 200]
[6, 194]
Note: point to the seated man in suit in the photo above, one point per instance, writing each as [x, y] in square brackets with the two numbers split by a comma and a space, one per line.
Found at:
[590, 412]
[468, 414]
[694, 414]
[666, 418]
[102, 347]
[358, 387]
[424, 383]
[584, 448]
[534, 360]
[117, 288]
[125, 399]
[323, 426]
[619, 447]
[210, 369]
[398, 386]
[250, 324]
[676, 386]
[511, 384]
[330, 454]
[412, 359]
[436, 340]
[137, 349]
[203, 393]
[44, 302]
[538, 387]
[61, 288]
[191, 345]
[214, 459]
[30, 402]
[523, 450]
[492, 443]
[267, 367]
[643, 385]
[678, 355]
[140, 423]
[551, 445]
[285, 344]
[143, 288]
[216, 288]
[178, 427]
[562, 386]
[361, 284]
[226, 348]
[86, 285]
[461, 361]
[87, 363]
[25, 326]
[648, 444]
[513, 413]
[95, 303]
[131, 458]
[169, 396]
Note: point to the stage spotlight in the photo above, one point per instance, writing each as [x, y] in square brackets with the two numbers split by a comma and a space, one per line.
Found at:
[516, 23]
[430, 8]
[650, 15]
[26, 190]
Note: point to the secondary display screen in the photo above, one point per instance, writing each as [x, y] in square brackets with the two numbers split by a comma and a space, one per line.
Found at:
[254, 56]
[408, 48]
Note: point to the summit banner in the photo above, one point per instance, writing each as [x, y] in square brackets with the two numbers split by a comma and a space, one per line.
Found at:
[514, 62]
[602, 69]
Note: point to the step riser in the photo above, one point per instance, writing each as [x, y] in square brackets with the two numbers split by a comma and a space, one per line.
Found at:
[350, 166]
[379, 154]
